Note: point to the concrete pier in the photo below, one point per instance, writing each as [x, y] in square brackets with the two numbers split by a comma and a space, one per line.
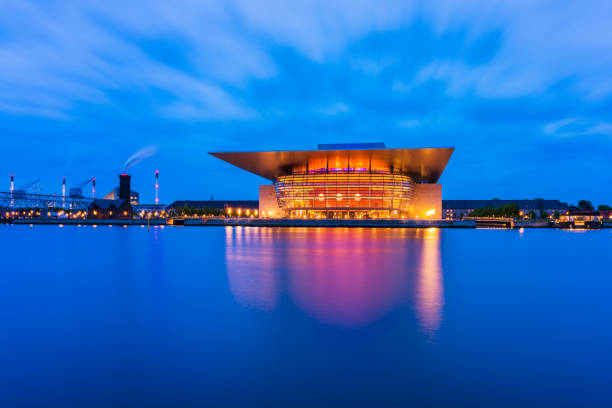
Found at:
[298, 222]
[47, 221]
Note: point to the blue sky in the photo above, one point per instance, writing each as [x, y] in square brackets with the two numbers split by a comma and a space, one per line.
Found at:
[521, 89]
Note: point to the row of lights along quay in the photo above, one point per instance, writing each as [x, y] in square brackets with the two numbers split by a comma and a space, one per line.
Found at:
[363, 184]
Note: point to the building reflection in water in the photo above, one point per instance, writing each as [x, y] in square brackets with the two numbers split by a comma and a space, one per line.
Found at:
[252, 267]
[345, 277]
[339, 276]
[429, 294]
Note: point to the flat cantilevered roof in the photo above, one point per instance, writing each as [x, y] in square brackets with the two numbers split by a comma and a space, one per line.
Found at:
[424, 165]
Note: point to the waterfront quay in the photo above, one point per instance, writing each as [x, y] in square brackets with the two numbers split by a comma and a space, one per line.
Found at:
[257, 222]
[301, 222]
[51, 221]
[298, 222]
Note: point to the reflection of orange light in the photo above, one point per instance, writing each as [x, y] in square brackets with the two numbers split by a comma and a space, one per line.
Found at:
[336, 276]
[250, 267]
[343, 277]
[429, 291]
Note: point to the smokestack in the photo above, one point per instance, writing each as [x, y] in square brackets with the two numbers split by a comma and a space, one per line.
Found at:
[12, 188]
[124, 186]
[156, 186]
[63, 191]
[93, 187]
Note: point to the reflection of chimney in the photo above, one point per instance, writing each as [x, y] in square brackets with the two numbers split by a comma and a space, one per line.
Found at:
[124, 186]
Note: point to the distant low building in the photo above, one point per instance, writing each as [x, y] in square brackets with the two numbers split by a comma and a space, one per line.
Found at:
[458, 209]
[216, 204]
[581, 218]
[103, 209]
[606, 214]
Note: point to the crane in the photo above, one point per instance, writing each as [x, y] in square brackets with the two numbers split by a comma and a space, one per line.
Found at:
[25, 187]
[21, 190]
[77, 191]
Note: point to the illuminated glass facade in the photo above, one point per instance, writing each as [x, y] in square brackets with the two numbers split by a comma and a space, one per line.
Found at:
[344, 194]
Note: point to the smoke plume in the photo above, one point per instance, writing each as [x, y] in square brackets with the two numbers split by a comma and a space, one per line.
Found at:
[139, 156]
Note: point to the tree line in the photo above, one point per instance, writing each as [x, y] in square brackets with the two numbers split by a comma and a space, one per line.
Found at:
[586, 205]
[503, 211]
[513, 211]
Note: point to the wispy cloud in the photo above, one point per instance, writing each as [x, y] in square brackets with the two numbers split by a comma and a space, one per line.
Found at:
[553, 127]
[409, 123]
[83, 53]
[602, 128]
[577, 127]
[333, 109]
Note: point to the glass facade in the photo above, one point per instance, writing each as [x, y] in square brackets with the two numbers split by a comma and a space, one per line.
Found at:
[344, 193]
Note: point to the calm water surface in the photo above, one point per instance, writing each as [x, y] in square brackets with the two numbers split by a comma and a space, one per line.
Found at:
[113, 316]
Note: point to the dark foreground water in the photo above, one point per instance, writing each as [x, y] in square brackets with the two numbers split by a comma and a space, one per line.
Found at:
[122, 317]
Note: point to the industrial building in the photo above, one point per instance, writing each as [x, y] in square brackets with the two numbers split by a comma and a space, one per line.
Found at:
[348, 181]
[102, 209]
[115, 208]
[120, 203]
[459, 209]
[132, 195]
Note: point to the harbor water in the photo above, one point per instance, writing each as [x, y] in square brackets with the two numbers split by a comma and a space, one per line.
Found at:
[245, 316]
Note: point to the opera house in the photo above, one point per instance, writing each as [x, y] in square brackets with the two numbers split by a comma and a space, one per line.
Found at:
[364, 180]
